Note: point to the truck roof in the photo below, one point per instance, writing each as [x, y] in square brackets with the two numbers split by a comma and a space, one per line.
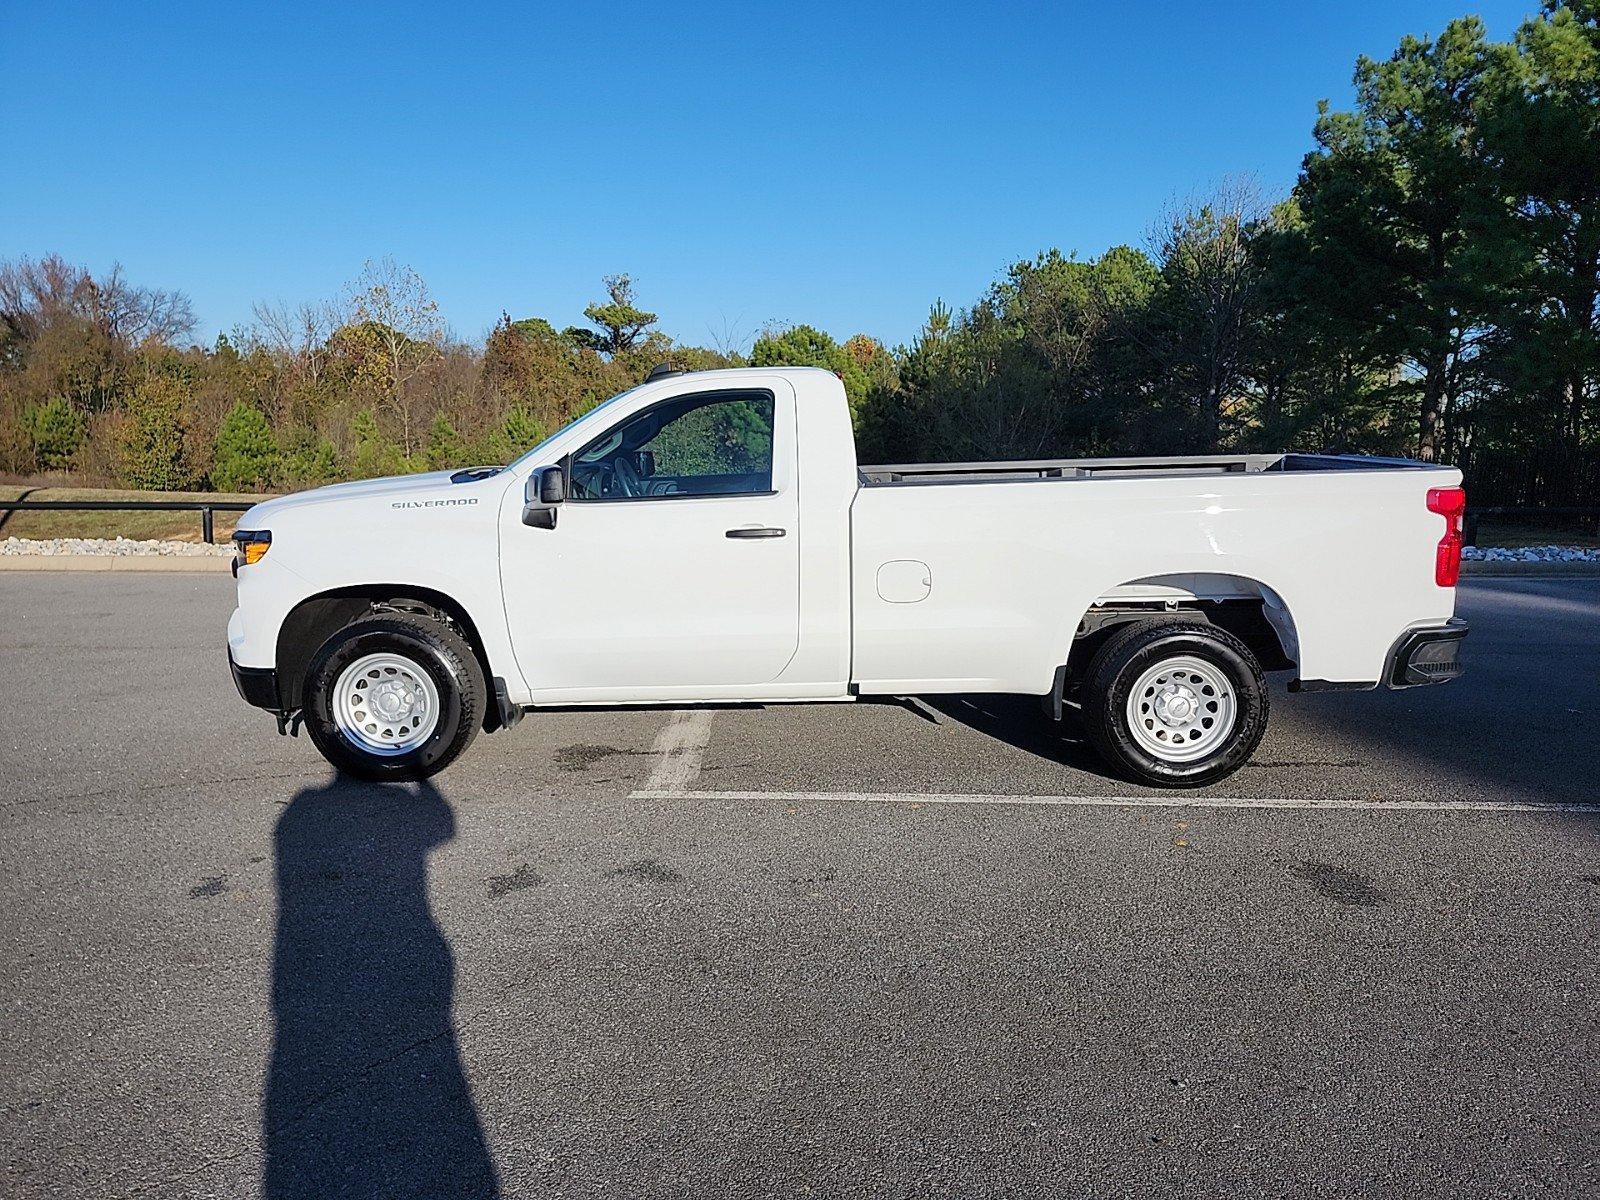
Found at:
[736, 374]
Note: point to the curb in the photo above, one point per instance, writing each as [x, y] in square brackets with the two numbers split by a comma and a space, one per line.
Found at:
[120, 563]
[1532, 570]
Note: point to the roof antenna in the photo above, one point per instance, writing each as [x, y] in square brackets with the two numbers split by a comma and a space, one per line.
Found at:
[663, 371]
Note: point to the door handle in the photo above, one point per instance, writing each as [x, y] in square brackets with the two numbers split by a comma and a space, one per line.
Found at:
[750, 532]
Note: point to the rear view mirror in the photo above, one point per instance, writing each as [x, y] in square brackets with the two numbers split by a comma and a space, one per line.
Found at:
[544, 493]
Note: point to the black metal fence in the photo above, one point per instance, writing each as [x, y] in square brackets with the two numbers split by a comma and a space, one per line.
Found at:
[206, 508]
[1587, 516]
[1544, 477]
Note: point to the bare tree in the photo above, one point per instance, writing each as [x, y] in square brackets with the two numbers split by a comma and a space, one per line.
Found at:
[731, 341]
[1210, 281]
[37, 295]
[393, 305]
[298, 336]
[137, 315]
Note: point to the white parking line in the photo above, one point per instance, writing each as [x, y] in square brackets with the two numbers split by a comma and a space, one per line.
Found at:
[678, 750]
[654, 792]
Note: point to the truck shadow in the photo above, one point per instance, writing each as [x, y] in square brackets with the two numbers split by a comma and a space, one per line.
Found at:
[1500, 733]
[365, 1093]
[1020, 722]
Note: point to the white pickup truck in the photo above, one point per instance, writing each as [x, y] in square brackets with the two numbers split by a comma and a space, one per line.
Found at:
[709, 538]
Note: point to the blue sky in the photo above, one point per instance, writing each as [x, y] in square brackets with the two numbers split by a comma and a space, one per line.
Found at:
[842, 164]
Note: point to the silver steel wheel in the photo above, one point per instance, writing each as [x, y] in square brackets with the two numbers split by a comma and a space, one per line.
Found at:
[1182, 709]
[386, 704]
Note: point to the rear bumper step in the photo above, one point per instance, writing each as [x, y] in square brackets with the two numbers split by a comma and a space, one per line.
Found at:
[1424, 656]
[1421, 656]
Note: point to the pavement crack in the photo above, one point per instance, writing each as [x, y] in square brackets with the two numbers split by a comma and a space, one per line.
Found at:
[150, 789]
[1270, 764]
[357, 1075]
[164, 1182]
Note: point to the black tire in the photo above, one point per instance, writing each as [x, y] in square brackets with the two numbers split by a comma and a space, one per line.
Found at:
[432, 646]
[1128, 654]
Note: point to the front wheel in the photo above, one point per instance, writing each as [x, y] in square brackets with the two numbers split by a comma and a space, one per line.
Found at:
[1175, 703]
[394, 696]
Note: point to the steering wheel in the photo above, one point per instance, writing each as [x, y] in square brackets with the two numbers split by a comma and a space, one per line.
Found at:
[627, 477]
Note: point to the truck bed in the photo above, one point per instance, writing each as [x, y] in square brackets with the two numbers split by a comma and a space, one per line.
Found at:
[1128, 468]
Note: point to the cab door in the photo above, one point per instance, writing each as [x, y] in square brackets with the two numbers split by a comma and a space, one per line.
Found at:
[673, 570]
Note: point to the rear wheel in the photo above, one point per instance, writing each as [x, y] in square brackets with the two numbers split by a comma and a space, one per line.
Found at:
[1175, 703]
[394, 696]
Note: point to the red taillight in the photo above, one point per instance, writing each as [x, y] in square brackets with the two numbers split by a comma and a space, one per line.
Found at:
[1451, 504]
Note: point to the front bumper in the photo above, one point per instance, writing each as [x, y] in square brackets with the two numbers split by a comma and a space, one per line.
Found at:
[1424, 656]
[257, 685]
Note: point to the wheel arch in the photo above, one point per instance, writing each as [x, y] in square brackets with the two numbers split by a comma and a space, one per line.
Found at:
[1252, 610]
[316, 618]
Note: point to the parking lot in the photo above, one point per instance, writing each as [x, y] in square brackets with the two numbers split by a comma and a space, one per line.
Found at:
[873, 949]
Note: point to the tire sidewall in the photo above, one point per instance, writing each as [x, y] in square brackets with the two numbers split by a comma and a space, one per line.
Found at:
[1249, 724]
[346, 647]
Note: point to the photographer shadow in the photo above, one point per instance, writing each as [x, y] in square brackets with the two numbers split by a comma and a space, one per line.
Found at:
[365, 1094]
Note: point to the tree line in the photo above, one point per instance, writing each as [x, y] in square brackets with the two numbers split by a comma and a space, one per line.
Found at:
[1430, 287]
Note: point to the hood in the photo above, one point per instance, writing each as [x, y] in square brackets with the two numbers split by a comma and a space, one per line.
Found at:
[431, 484]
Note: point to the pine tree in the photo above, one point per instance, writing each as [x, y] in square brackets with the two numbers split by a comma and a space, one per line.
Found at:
[522, 429]
[375, 455]
[306, 459]
[56, 429]
[444, 445]
[621, 321]
[246, 454]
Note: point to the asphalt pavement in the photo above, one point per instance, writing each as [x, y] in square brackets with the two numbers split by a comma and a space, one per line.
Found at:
[764, 952]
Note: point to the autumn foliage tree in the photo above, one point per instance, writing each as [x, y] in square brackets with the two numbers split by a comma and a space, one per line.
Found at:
[154, 438]
[1429, 287]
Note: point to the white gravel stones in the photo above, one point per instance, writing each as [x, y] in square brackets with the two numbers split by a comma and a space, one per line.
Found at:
[127, 546]
[1555, 554]
[112, 547]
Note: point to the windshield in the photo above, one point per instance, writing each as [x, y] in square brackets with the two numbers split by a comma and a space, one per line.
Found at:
[527, 454]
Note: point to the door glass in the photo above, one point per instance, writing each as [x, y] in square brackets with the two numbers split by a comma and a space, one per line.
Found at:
[709, 445]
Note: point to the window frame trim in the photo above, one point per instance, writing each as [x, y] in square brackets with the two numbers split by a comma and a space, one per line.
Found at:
[771, 396]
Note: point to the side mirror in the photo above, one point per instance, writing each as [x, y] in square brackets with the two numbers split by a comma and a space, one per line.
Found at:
[544, 493]
[647, 463]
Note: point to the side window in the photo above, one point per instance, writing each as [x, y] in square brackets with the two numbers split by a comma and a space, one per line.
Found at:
[710, 445]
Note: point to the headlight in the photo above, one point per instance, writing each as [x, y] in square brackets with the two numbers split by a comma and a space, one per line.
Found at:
[252, 546]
